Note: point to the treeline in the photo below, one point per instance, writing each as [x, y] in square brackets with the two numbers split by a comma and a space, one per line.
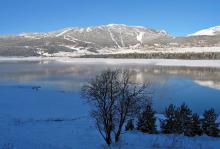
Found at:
[160, 55]
[178, 120]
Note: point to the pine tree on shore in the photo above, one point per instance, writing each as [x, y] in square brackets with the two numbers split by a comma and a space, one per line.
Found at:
[183, 116]
[209, 124]
[168, 124]
[147, 121]
[196, 125]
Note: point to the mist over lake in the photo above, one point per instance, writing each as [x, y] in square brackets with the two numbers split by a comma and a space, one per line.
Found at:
[199, 87]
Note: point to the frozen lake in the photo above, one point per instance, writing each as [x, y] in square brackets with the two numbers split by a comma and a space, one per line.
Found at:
[197, 85]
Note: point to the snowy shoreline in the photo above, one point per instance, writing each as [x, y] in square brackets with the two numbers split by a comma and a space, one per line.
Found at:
[112, 61]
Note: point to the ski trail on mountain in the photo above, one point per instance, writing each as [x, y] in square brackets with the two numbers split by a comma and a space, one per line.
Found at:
[122, 41]
[113, 39]
[140, 36]
[62, 33]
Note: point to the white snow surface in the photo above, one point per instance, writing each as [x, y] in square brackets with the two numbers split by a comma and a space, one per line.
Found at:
[123, 50]
[112, 37]
[55, 119]
[73, 39]
[209, 32]
[140, 36]
[34, 35]
[156, 62]
[64, 32]
[210, 84]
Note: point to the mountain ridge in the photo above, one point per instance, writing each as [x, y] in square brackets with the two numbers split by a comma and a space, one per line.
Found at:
[212, 31]
[103, 39]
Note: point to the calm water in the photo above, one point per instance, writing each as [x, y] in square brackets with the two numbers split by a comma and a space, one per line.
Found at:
[198, 87]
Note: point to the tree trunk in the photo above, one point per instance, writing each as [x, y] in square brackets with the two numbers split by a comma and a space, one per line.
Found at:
[108, 139]
[117, 135]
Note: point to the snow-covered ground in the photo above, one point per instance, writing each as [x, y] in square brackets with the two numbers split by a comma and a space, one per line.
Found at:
[156, 62]
[132, 49]
[44, 118]
[153, 62]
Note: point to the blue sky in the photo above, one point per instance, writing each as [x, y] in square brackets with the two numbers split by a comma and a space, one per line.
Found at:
[178, 17]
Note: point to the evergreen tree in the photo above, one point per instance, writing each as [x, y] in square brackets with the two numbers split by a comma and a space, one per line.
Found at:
[209, 125]
[168, 124]
[183, 116]
[196, 126]
[129, 126]
[147, 120]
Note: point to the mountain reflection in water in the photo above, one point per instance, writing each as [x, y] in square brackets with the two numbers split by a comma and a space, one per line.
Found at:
[198, 87]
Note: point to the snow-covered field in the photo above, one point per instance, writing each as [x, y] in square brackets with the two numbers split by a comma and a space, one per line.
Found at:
[156, 62]
[44, 118]
[80, 51]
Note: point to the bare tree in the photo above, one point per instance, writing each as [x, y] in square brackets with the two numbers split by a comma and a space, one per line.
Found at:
[115, 99]
[102, 93]
[131, 98]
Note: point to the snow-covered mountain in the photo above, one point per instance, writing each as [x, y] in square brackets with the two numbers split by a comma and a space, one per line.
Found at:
[112, 35]
[208, 32]
[104, 39]
[78, 41]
